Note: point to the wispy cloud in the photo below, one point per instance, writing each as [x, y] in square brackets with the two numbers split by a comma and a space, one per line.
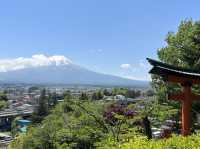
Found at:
[96, 50]
[141, 78]
[125, 66]
[34, 61]
[138, 71]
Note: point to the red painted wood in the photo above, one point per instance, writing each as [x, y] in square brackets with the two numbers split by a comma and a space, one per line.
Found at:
[195, 97]
[176, 97]
[186, 109]
[176, 79]
[186, 97]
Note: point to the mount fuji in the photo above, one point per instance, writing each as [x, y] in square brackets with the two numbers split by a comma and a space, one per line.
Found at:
[57, 70]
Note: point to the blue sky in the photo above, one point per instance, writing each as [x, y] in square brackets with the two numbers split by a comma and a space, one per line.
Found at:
[108, 36]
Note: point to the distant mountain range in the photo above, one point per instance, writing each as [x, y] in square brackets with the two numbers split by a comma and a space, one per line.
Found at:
[65, 74]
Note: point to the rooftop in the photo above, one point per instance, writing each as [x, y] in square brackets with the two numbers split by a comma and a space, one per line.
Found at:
[174, 74]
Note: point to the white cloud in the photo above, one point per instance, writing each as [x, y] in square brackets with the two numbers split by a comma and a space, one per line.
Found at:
[34, 61]
[144, 78]
[125, 66]
[138, 71]
[142, 64]
[96, 51]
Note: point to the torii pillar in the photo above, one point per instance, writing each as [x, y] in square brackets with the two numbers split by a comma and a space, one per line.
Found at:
[186, 98]
[186, 109]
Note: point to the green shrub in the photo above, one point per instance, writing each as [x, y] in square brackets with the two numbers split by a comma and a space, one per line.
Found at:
[175, 142]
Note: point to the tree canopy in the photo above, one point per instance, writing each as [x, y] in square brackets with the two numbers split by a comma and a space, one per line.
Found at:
[183, 47]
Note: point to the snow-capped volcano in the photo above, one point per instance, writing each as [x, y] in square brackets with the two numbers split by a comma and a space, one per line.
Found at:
[55, 70]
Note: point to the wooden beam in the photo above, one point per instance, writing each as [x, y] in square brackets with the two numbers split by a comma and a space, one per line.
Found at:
[195, 97]
[181, 96]
[182, 80]
[176, 97]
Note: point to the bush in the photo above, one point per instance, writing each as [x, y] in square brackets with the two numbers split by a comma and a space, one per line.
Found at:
[175, 142]
[3, 105]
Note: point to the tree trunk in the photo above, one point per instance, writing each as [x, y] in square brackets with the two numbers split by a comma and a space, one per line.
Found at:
[147, 127]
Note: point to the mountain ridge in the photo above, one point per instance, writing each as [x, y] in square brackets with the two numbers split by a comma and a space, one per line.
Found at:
[65, 74]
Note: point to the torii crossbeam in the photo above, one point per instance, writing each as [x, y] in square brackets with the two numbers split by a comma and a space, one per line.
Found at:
[186, 77]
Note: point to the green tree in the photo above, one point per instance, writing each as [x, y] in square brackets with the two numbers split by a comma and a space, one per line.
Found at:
[133, 93]
[43, 104]
[182, 50]
[14, 128]
[84, 96]
[42, 109]
[67, 94]
[3, 97]
[3, 104]
[99, 95]
[94, 96]
[106, 92]
[183, 47]
[149, 93]
[3, 100]
[33, 88]
[53, 98]
[119, 91]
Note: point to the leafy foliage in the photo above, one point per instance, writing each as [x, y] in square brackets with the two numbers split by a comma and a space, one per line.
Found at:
[118, 117]
[97, 95]
[3, 97]
[3, 104]
[3, 100]
[43, 108]
[116, 112]
[74, 124]
[139, 142]
[183, 47]
[83, 96]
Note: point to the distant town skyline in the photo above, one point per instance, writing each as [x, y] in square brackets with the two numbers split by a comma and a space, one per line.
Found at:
[111, 37]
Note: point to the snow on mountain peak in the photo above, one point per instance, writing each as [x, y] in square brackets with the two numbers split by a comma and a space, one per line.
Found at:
[34, 61]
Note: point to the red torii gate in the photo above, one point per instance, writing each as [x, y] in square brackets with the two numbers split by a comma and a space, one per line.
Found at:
[186, 77]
